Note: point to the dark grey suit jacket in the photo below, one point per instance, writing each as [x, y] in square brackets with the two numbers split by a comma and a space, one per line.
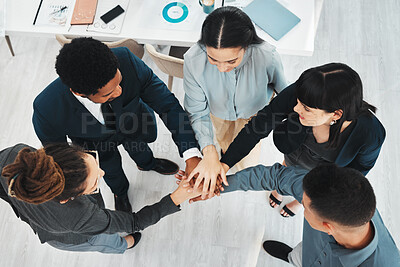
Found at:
[76, 221]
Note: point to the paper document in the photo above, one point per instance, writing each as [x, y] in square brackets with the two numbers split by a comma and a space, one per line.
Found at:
[53, 13]
[181, 15]
[237, 3]
[115, 25]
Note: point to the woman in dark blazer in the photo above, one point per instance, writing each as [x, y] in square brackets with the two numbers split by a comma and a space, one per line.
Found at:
[320, 118]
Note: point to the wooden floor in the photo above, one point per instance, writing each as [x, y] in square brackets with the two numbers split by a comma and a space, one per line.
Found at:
[225, 231]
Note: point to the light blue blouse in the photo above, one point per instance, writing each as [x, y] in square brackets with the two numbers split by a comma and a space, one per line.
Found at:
[240, 93]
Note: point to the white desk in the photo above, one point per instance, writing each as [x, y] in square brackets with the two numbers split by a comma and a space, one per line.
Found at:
[2, 17]
[299, 41]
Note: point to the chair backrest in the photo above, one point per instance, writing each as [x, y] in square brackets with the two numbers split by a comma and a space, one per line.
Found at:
[131, 44]
[170, 65]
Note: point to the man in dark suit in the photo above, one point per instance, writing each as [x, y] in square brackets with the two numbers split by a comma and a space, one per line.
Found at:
[105, 98]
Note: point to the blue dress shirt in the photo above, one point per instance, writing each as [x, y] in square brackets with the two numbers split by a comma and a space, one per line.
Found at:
[239, 93]
[319, 248]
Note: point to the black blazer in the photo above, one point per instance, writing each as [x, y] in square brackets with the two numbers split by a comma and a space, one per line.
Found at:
[360, 150]
[58, 114]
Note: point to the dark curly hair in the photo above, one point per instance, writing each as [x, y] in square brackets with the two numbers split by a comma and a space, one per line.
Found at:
[86, 65]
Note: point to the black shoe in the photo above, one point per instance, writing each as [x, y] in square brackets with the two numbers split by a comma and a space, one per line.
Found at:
[137, 237]
[164, 166]
[122, 203]
[277, 249]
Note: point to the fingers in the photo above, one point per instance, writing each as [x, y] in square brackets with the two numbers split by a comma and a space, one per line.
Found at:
[205, 187]
[193, 173]
[184, 184]
[212, 186]
[223, 176]
[198, 181]
[195, 199]
[180, 175]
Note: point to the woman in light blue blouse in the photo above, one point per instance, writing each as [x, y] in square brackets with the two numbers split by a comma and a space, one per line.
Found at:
[229, 75]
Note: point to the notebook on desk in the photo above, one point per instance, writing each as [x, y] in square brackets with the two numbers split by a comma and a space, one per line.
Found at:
[84, 12]
[272, 17]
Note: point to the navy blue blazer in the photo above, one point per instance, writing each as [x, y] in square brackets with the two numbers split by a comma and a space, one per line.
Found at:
[359, 152]
[58, 114]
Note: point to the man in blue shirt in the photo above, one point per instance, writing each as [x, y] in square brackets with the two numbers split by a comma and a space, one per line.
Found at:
[342, 226]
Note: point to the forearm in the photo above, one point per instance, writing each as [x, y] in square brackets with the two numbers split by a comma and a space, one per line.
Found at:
[196, 105]
[261, 125]
[258, 178]
[150, 215]
[109, 222]
[178, 123]
[244, 142]
[203, 129]
[286, 180]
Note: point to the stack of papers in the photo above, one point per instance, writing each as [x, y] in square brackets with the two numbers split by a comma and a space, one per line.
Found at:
[53, 13]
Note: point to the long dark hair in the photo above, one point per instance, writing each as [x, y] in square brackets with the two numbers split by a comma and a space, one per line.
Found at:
[228, 27]
[332, 87]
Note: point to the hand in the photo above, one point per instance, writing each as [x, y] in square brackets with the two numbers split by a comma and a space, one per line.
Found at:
[191, 164]
[225, 167]
[181, 176]
[184, 191]
[208, 170]
[219, 188]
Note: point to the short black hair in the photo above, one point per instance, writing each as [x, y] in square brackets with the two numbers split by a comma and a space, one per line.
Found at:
[341, 195]
[331, 87]
[228, 27]
[86, 65]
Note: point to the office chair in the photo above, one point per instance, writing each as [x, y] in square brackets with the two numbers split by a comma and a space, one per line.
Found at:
[171, 64]
[131, 44]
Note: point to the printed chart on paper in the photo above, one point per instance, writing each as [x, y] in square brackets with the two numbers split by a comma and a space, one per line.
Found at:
[182, 15]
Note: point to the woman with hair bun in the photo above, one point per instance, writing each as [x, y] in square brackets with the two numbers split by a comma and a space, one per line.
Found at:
[229, 75]
[55, 190]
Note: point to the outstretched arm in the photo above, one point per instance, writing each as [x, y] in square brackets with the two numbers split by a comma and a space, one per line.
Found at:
[95, 220]
[286, 180]
[196, 104]
[260, 126]
[156, 95]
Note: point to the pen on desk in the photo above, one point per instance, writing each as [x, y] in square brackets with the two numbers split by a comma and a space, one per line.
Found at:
[55, 12]
[37, 12]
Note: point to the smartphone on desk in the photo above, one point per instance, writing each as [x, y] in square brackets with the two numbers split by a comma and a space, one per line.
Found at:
[112, 14]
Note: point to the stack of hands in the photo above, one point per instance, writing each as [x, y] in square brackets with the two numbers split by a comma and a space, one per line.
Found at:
[202, 178]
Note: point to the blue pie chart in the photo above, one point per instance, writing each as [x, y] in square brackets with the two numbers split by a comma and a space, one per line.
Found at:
[183, 16]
